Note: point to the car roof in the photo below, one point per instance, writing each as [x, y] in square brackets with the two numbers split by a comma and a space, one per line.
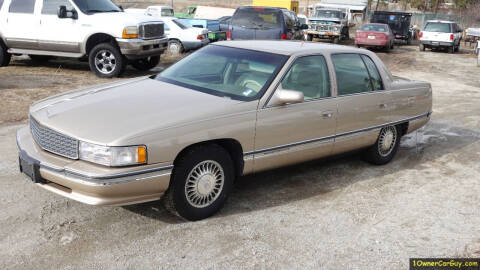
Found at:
[288, 47]
[439, 21]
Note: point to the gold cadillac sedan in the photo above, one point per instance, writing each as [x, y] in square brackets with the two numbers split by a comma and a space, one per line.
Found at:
[229, 109]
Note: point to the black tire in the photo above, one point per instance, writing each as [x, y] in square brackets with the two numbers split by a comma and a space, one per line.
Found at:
[180, 202]
[40, 58]
[115, 61]
[175, 47]
[4, 55]
[146, 63]
[451, 49]
[387, 48]
[421, 47]
[374, 154]
[336, 40]
[309, 37]
[392, 46]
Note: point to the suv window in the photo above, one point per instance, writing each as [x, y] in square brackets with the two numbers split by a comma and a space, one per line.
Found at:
[50, 7]
[257, 18]
[437, 27]
[352, 74]
[22, 6]
[309, 74]
[374, 74]
[289, 19]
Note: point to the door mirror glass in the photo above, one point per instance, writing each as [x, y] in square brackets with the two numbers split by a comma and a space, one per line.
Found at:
[63, 13]
[283, 97]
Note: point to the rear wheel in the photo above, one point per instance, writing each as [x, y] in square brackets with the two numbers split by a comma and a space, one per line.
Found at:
[200, 183]
[451, 49]
[175, 47]
[385, 147]
[4, 55]
[388, 47]
[106, 61]
[146, 63]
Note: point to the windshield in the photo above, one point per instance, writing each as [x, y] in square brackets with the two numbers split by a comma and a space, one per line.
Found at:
[437, 27]
[181, 24]
[94, 6]
[328, 13]
[374, 27]
[167, 12]
[227, 72]
[257, 18]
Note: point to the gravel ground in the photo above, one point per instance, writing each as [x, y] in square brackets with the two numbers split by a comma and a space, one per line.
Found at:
[337, 213]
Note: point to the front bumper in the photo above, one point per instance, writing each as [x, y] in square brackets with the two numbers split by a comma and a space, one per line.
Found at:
[371, 42]
[93, 184]
[429, 43]
[139, 48]
[322, 34]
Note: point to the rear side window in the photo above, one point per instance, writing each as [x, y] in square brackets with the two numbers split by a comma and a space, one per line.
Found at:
[257, 18]
[50, 7]
[309, 74]
[352, 74]
[377, 83]
[22, 6]
[437, 27]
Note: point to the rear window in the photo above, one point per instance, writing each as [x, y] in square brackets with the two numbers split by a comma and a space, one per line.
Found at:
[181, 24]
[437, 27]
[257, 18]
[373, 27]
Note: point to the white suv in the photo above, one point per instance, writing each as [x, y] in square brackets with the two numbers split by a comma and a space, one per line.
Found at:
[441, 34]
[94, 29]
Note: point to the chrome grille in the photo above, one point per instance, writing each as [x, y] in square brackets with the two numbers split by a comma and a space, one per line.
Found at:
[53, 141]
[323, 28]
[151, 31]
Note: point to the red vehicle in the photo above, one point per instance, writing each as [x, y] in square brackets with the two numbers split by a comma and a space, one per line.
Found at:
[375, 35]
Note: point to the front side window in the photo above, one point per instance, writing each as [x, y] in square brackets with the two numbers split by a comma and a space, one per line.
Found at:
[437, 27]
[352, 74]
[22, 6]
[374, 74]
[308, 74]
[96, 6]
[50, 7]
[227, 72]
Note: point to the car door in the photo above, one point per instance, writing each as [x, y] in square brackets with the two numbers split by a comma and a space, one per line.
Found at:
[22, 25]
[291, 133]
[58, 34]
[363, 104]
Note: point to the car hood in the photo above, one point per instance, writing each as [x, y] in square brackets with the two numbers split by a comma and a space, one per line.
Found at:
[122, 18]
[114, 113]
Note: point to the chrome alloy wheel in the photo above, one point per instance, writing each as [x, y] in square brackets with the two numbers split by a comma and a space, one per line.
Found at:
[204, 183]
[387, 140]
[105, 61]
[174, 48]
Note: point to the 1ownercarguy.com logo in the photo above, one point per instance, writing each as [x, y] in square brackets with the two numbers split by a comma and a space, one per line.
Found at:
[444, 263]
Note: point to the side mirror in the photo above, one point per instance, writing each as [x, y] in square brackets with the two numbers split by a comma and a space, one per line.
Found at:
[63, 13]
[283, 97]
[304, 26]
[120, 7]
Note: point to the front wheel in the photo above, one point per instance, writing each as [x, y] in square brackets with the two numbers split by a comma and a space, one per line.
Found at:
[4, 55]
[200, 183]
[175, 47]
[146, 63]
[385, 147]
[106, 61]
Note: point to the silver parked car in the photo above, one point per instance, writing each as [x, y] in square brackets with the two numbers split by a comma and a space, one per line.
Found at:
[229, 109]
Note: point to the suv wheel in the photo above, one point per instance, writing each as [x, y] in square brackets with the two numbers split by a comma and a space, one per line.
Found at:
[200, 183]
[106, 61]
[385, 147]
[451, 49]
[4, 55]
[146, 63]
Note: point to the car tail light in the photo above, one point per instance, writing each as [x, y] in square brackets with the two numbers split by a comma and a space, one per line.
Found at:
[421, 34]
[451, 37]
[200, 37]
[229, 35]
[283, 36]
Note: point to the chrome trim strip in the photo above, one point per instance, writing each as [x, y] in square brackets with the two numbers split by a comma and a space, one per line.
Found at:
[335, 136]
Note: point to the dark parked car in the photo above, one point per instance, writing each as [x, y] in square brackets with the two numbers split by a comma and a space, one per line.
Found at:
[225, 22]
[265, 23]
[399, 22]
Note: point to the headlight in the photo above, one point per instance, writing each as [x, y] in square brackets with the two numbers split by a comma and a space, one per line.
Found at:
[130, 32]
[112, 156]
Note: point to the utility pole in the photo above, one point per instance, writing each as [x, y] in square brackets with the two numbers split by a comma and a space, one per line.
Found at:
[171, 3]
